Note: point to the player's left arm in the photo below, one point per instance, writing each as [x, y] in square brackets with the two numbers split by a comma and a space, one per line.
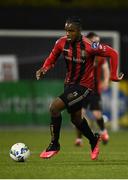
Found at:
[107, 51]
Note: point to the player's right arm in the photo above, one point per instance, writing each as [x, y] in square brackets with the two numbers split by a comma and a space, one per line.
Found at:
[50, 60]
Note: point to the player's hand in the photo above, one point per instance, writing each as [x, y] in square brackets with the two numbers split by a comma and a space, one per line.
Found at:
[40, 73]
[119, 78]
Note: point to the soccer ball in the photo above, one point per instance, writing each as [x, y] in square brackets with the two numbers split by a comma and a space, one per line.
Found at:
[19, 152]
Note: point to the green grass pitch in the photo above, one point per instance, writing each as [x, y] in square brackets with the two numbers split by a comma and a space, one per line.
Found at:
[70, 163]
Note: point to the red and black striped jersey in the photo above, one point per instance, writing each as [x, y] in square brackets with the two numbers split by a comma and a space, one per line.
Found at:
[79, 57]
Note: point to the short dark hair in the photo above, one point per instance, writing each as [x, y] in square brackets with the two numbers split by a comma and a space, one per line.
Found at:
[75, 20]
[91, 35]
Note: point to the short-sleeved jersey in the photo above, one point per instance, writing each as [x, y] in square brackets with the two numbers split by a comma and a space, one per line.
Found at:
[79, 57]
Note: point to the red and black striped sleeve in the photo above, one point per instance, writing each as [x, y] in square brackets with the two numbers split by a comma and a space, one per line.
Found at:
[107, 51]
[52, 58]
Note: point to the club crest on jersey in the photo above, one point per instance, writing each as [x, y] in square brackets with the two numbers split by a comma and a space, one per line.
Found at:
[95, 45]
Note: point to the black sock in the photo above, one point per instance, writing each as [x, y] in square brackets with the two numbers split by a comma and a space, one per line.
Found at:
[86, 131]
[78, 133]
[100, 123]
[55, 128]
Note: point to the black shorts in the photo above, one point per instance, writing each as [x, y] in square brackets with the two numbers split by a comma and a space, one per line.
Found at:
[74, 96]
[93, 102]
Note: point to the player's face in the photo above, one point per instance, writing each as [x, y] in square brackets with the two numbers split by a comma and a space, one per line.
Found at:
[72, 32]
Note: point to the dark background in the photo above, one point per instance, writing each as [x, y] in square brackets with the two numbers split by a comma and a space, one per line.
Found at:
[53, 17]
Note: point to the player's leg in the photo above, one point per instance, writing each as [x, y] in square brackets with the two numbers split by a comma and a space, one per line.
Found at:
[81, 123]
[75, 98]
[100, 121]
[55, 110]
[96, 108]
[78, 140]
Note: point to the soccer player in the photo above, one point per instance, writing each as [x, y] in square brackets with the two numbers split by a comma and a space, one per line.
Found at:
[94, 103]
[79, 54]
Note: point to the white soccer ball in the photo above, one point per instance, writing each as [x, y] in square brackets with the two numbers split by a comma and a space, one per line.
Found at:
[19, 152]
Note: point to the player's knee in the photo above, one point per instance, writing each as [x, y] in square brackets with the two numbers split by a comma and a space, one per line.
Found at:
[53, 109]
[97, 114]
